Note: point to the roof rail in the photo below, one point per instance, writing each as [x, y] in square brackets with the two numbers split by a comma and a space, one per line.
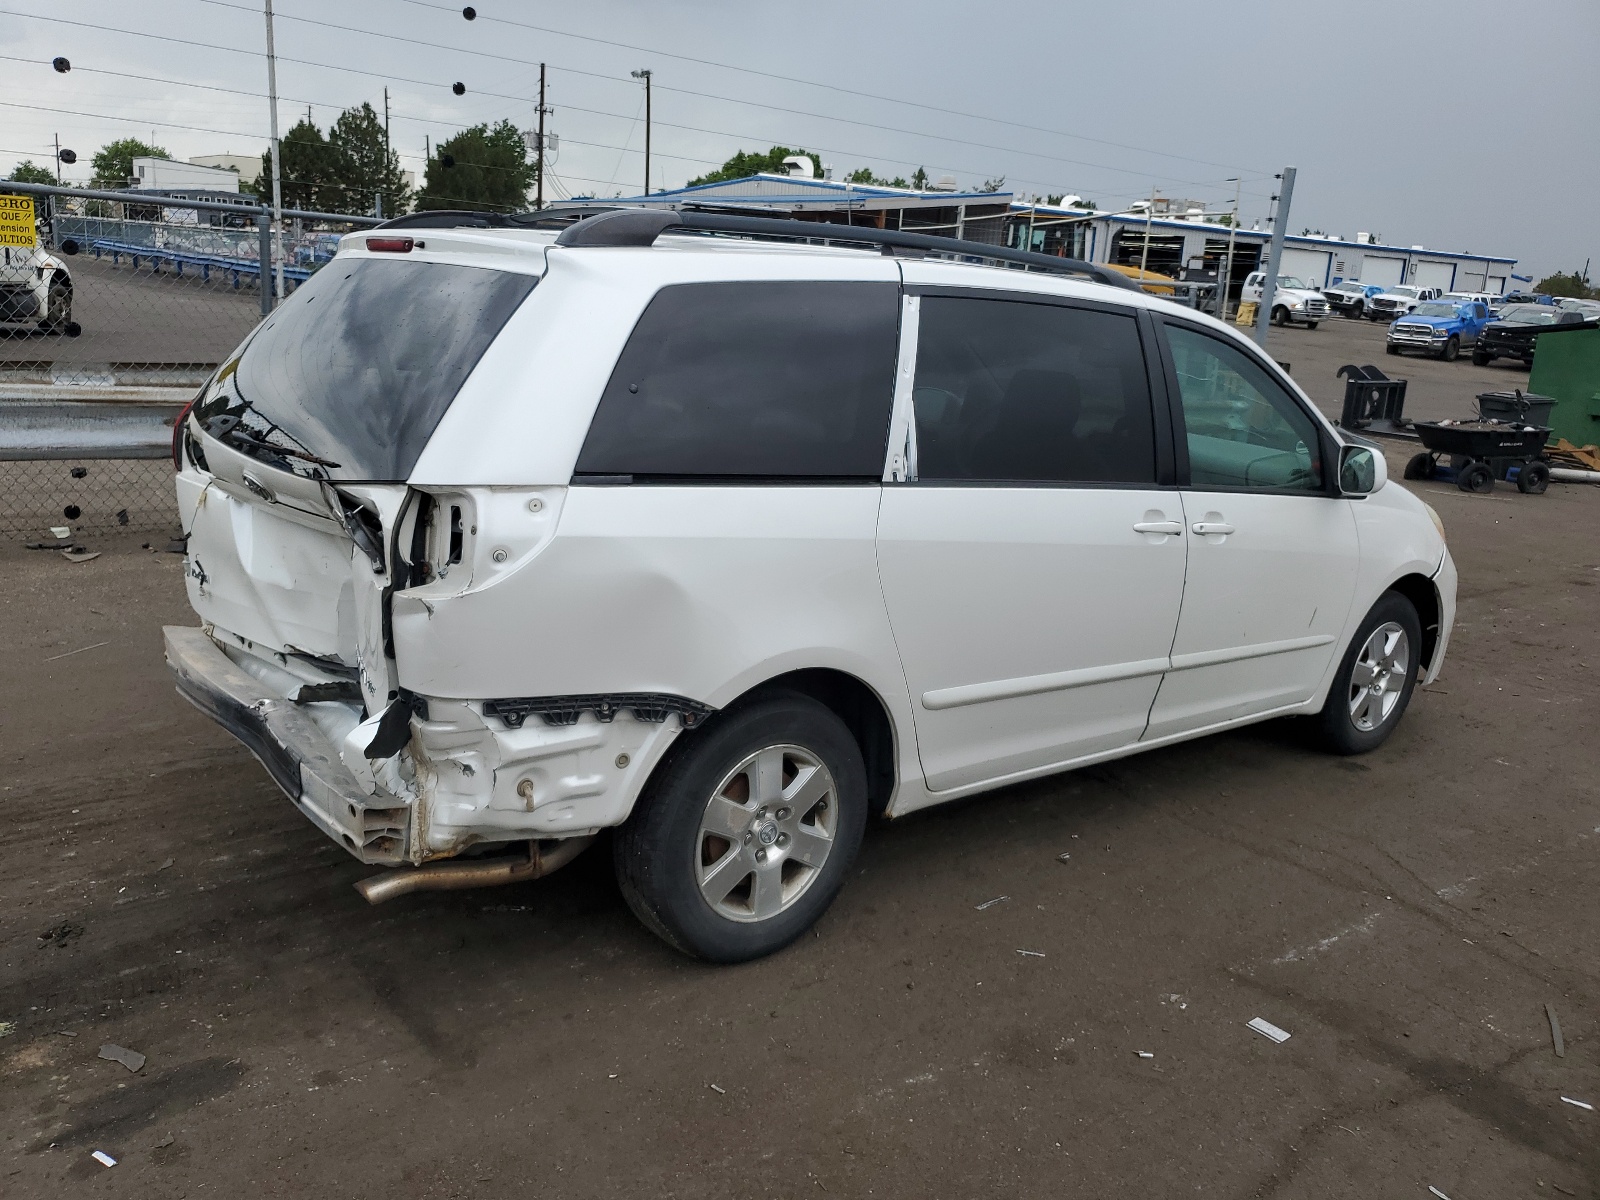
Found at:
[642, 226]
[461, 218]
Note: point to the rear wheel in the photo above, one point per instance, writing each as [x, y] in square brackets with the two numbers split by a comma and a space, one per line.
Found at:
[1375, 679]
[1533, 478]
[1475, 477]
[1452, 348]
[745, 836]
[1421, 466]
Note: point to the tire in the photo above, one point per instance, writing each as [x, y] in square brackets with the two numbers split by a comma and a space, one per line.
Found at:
[1280, 316]
[711, 782]
[1452, 349]
[1480, 359]
[1533, 478]
[1311, 324]
[1359, 308]
[1395, 350]
[1384, 653]
[1475, 477]
[58, 309]
[1421, 466]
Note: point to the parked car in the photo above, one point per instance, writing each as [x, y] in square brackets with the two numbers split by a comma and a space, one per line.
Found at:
[1294, 301]
[1441, 327]
[1486, 299]
[36, 288]
[1589, 310]
[1398, 301]
[1349, 298]
[1515, 331]
[499, 538]
[1526, 298]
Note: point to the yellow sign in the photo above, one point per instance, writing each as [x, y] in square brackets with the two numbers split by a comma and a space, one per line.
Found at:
[16, 222]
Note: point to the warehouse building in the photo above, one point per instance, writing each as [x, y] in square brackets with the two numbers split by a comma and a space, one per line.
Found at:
[1182, 242]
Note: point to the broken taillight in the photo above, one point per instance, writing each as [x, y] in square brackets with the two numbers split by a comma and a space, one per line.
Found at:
[177, 434]
[390, 245]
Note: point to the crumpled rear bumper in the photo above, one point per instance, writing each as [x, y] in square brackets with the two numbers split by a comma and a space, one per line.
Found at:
[290, 745]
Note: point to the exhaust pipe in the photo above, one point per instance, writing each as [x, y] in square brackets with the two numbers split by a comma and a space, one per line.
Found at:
[450, 876]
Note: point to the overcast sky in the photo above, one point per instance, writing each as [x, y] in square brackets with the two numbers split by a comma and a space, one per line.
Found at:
[1464, 126]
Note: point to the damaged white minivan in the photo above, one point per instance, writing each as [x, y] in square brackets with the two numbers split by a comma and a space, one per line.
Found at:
[702, 529]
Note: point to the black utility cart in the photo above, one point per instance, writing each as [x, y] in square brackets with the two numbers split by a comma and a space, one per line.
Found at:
[1481, 452]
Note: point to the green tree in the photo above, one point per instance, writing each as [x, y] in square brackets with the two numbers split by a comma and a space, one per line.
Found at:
[113, 162]
[1575, 285]
[865, 175]
[365, 166]
[993, 185]
[919, 180]
[27, 171]
[308, 172]
[483, 169]
[746, 163]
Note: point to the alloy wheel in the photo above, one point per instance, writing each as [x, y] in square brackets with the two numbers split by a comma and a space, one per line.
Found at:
[1378, 676]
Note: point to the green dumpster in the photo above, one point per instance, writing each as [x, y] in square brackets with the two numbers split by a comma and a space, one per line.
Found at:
[1567, 366]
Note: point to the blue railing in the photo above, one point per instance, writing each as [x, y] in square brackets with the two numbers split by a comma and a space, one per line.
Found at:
[206, 263]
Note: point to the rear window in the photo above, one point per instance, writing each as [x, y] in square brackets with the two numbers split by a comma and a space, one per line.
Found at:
[781, 380]
[357, 367]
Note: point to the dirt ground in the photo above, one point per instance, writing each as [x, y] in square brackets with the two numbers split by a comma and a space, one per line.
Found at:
[1407, 916]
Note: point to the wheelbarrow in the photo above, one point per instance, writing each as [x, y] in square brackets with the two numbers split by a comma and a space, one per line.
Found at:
[1481, 452]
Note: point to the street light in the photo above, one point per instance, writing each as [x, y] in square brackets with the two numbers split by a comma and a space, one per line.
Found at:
[645, 75]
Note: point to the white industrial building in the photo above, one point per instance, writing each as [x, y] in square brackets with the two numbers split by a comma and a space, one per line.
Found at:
[1187, 245]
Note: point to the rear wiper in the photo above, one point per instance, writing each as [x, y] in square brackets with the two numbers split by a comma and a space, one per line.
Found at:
[256, 443]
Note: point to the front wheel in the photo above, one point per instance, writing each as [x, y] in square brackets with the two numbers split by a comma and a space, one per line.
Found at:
[1375, 679]
[1480, 359]
[58, 309]
[746, 834]
[1391, 349]
[1280, 316]
[1421, 466]
[1311, 324]
[1357, 310]
[1475, 477]
[1452, 348]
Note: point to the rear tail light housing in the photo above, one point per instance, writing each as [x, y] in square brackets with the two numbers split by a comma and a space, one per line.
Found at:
[390, 245]
[177, 434]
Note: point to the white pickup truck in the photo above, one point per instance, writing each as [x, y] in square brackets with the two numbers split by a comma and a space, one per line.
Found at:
[1399, 300]
[1294, 302]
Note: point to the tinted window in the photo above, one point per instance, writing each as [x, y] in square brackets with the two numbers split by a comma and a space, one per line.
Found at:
[1244, 430]
[789, 380]
[1008, 391]
[361, 362]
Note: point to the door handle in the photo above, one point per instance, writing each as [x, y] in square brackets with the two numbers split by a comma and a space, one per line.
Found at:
[1211, 527]
[1173, 527]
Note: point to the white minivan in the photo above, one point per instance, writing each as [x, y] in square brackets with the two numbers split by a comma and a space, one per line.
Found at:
[677, 525]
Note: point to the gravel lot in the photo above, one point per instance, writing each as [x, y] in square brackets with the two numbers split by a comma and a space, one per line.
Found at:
[1407, 916]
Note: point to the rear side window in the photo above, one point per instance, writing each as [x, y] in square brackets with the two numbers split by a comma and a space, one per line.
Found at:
[1013, 392]
[790, 380]
[359, 365]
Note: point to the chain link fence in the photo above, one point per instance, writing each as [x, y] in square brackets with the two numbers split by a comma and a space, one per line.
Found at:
[115, 307]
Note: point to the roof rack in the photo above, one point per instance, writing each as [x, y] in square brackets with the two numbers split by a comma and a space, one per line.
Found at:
[556, 216]
[642, 226]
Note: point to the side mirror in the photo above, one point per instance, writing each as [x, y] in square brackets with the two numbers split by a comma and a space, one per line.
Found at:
[1362, 471]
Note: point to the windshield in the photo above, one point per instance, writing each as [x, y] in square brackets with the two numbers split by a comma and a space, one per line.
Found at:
[1434, 309]
[350, 376]
[1405, 291]
[1528, 314]
[1293, 281]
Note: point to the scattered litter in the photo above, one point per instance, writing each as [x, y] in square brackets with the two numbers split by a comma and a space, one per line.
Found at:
[76, 555]
[719, 1090]
[610, 1076]
[1577, 1103]
[104, 1159]
[1555, 1031]
[63, 544]
[60, 935]
[1175, 998]
[1031, 953]
[65, 1033]
[7, 1028]
[166, 864]
[991, 903]
[80, 650]
[165, 1142]
[1268, 1030]
[1437, 1192]
[1144, 1054]
[1063, 857]
[131, 1059]
[60, 531]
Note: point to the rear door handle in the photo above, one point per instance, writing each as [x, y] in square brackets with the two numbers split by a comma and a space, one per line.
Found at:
[1173, 527]
[1211, 527]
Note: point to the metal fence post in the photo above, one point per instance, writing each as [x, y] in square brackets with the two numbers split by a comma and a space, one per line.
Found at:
[264, 233]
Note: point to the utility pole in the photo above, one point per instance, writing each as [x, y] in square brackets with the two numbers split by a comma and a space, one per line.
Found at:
[58, 160]
[538, 196]
[383, 176]
[1148, 214]
[645, 75]
[277, 175]
[1226, 282]
[1274, 256]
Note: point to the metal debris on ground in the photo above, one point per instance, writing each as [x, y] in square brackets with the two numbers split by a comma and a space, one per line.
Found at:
[166, 864]
[104, 1159]
[7, 1028]
[131, 1059]
[1144, 1054]
[76, 555]
[80, 650]
[60, 531]
[718, 1090]
[1577, 1103]
[1031, 953]
[1267, 1029]
[991, 903]
[1437, 1192]
[62, 544]
[1062, 857]
[1555, 1031]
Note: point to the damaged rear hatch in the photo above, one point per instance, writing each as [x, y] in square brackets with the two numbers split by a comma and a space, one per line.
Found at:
[293, 492]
